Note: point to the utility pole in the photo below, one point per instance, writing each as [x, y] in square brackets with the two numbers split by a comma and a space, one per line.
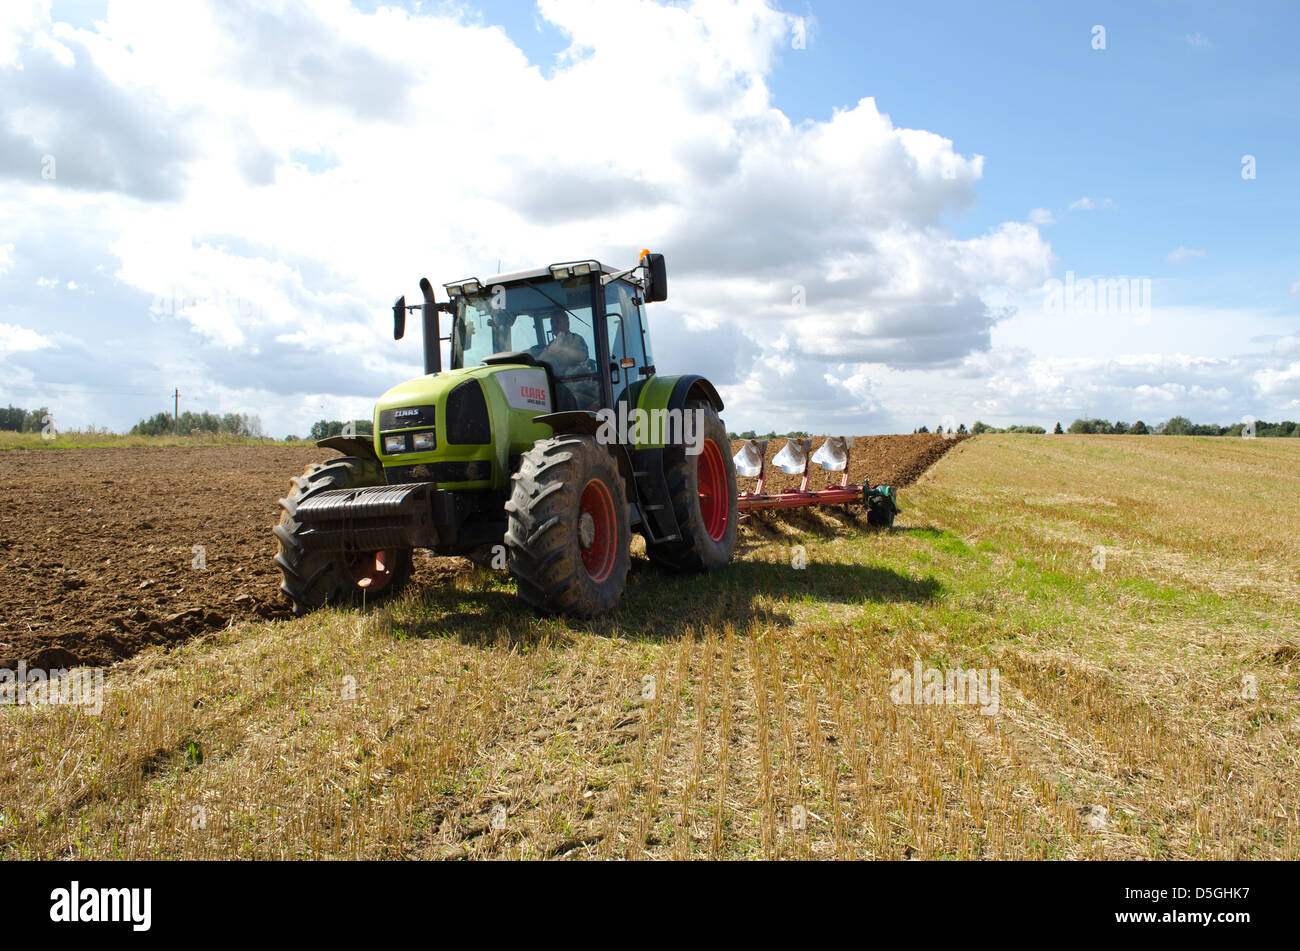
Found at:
[176, 412]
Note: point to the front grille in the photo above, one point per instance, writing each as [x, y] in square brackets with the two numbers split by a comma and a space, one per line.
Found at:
[467, 416]
[476, 471]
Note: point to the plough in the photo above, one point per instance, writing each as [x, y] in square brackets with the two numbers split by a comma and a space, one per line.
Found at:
[795, 459]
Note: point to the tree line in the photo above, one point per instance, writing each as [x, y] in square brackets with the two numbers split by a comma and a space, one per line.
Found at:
[750, 434]
[1182, 426]
[188, 424]
[15, 419]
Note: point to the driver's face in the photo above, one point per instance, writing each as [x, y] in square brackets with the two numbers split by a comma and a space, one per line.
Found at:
[560, 323]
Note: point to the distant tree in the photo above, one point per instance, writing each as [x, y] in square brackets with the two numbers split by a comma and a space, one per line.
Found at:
[961, 429]
[1138, 429]
[1037, 430]
[923, 430]
[155, 425]
[327, 428]
[796, 434]
[980, 428]
[11, 419]
[1177, 426]
[1092, 426]
[1058, 430]
[1121, 427]
[34, 422]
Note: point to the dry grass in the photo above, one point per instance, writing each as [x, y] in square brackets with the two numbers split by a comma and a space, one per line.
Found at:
[708, 716]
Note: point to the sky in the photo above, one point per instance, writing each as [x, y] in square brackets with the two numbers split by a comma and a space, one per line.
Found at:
[875, 216]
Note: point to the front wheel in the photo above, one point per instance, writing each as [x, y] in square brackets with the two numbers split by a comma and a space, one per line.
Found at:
[567, 532]
[315, 579]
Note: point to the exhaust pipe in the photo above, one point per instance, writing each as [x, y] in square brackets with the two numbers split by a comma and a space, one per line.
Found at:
[432, 334]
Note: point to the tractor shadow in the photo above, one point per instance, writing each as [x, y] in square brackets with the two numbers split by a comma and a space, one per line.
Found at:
[479, 607]
[827, 522]
[748, 594]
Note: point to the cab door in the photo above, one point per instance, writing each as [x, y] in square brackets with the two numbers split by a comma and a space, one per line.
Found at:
[628, 349]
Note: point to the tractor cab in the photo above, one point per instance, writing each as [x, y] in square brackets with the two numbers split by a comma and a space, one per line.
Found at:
[583, 322]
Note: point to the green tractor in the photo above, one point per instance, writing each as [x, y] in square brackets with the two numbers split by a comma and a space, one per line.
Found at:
[549, 440]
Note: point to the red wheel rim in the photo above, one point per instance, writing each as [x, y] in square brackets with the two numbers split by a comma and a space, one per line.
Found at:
[711, 481]
[372, 571]
[597, 530]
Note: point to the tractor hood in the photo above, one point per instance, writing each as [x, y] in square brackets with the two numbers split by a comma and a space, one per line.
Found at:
[460, 428]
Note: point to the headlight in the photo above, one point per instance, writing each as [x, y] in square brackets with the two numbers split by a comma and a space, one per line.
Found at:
[394, 444]
[422, 442]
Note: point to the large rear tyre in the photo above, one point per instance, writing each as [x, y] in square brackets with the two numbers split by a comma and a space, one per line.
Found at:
[702, 488]
[567, 536]
[314, 579]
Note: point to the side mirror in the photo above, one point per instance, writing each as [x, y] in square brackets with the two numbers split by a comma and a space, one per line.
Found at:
[399, 317]
[656, 288]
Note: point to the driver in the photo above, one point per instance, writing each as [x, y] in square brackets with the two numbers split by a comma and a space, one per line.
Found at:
[567, 352]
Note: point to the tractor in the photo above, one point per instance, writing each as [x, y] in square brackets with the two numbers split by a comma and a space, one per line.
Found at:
[518, 455]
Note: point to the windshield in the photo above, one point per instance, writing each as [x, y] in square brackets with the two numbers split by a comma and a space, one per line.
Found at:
[526, 316]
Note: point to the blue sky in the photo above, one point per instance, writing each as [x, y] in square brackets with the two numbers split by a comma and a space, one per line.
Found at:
[233, 214]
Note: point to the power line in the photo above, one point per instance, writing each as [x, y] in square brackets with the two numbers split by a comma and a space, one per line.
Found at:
[85, 387]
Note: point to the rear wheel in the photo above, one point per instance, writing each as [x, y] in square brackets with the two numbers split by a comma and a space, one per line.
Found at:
[315, 579]
[568, 527]
[702, 488]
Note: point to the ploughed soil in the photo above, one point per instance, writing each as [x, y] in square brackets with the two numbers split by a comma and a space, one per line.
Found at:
[97, 547]
[104, 552]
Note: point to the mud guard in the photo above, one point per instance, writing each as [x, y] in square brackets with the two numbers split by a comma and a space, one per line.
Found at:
[692, 386]
[363, 447]
[587, 423]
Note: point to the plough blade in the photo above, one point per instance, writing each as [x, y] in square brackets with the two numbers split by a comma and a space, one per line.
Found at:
[793, 457]
[749, 460]
[833, 455]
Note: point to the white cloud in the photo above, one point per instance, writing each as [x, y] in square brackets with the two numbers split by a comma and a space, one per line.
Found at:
[1198, 41]
[14, 339]
[1181, 254]
[1090, 204]
[1041, 216]
[6, 257]
[1281, 387]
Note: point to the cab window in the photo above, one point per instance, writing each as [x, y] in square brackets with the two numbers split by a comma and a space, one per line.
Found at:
[627, 351]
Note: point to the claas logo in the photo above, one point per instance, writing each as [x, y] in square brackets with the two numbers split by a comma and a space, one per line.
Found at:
[534, 394]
